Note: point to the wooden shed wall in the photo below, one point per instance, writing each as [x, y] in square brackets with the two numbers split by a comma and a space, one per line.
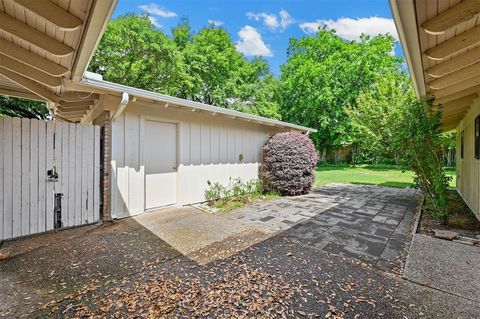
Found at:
[209, 148]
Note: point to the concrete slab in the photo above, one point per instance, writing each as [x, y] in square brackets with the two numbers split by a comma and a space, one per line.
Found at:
[445, 265]
[188, 229]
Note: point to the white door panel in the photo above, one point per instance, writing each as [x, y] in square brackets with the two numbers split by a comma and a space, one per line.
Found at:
[160, 154]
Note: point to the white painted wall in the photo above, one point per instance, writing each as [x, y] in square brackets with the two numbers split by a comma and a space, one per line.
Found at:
[468, 168]
[209, 148]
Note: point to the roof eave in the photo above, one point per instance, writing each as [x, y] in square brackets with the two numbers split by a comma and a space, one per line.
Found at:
[98, 19]
[93, 81]
[405, 18]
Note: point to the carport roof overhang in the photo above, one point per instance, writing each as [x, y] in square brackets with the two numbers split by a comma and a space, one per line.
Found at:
[46, 43]
[94, 84]
[441, 42]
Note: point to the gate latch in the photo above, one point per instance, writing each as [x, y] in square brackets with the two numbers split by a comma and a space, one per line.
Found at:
[52, 175]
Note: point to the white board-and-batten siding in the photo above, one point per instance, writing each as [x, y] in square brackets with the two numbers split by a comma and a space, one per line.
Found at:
[468, 167]
[209, 147]
[29, 148]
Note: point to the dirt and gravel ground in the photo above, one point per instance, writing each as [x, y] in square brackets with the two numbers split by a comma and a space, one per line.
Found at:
[123, 270]
[279, 277]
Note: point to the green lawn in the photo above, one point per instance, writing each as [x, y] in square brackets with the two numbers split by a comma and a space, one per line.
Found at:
[368, 174]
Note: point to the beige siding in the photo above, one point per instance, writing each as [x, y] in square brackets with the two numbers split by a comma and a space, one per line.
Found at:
[468, 168]
[209, 148]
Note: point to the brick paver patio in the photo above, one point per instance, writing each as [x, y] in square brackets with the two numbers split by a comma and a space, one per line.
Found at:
[369, 222]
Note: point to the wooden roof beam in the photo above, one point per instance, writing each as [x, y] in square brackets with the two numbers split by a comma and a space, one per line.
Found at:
[77, 103]
[22, 95]
[459, 112]
[29, 72]
[454, 114]
[466, 100]
[82, 109]
[456, 63]
[33, 36]
[53, 13]
[449, 18]
[61, 118]
[454, 118]
[449, 126]
[455, 77]
[452, 110]
[18, 53]
[70, 113]
[30, 85]
[457, 95]
[78, 96]
[457, 87]
[458, 43]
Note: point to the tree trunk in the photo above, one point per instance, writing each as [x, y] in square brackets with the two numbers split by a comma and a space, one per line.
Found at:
[322, 154]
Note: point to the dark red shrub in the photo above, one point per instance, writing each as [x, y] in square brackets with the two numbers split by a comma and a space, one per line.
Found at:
[289, 161]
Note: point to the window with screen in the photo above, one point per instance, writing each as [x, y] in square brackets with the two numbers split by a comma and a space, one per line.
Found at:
[477, 137]
[462, 142]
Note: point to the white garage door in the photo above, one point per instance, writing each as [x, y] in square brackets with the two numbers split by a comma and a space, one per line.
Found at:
[160, 164]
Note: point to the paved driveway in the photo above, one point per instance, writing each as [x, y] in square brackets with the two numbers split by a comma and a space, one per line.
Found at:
[306, 256]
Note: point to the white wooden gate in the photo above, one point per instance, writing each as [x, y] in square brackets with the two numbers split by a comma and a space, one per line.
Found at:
[29, 148]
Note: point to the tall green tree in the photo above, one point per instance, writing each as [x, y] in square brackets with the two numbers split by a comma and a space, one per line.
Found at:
[133, 52]
[323, 76]
[391, 122]
[375, 118]
[16, 107]
[257, 91]
[214, 64]
[203, 66]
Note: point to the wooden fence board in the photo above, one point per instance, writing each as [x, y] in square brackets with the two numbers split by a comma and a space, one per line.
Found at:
[1, 179]
[78, 175]
[71, 175]
[89, 150]
[7, 178]
[16, 177]
[65, 176]
[57, 160]
[29, 148]
[25, 175]
[96, 172]
[84, 168]
[42, 173]
[49, 186]
[33, 175]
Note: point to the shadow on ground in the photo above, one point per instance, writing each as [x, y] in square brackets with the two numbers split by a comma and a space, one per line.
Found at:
[269, 268]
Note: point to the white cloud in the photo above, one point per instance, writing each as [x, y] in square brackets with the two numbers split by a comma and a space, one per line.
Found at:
[285, 19]
[155, 10]
[154, 21]
[351, 29]
[216, 23]
[271, 20]
[251, 43]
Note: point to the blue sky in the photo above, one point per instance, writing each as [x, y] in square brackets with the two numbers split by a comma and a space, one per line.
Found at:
[264, 27]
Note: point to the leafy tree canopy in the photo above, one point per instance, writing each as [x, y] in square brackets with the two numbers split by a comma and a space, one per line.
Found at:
[203, 67]
[132, 52]
[323, 76]
[378, 111]
[16, 107]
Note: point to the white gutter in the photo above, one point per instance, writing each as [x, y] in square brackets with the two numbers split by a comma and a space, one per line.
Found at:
[121, 106]
[93, 80]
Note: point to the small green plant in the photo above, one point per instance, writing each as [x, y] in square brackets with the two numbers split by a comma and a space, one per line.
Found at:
[236, 194]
